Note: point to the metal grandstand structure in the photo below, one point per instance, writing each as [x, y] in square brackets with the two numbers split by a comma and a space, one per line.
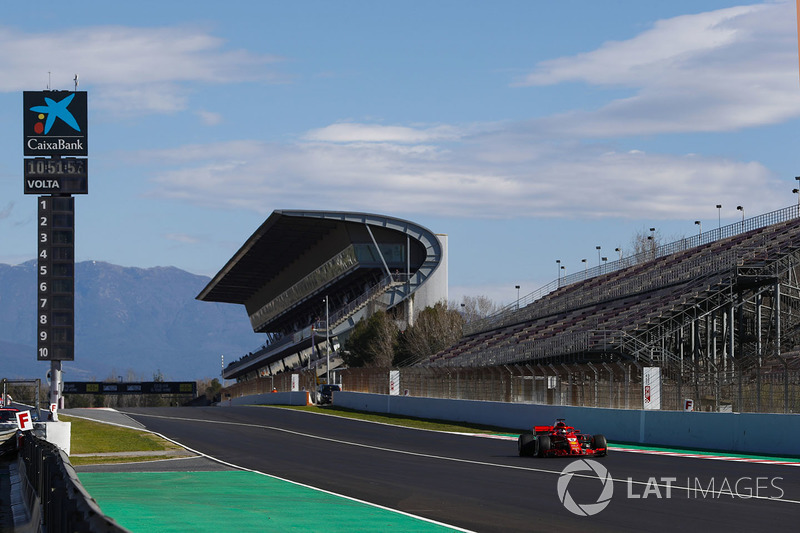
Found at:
[305, 278]
[718, 313]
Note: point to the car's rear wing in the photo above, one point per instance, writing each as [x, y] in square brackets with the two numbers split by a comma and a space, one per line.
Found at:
[542, 430]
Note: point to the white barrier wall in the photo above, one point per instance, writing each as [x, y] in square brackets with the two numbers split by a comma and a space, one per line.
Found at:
[773, 434]
[269, 398]
[58, 433]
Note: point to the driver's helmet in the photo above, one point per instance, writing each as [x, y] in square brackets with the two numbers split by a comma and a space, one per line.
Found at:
[561, 431]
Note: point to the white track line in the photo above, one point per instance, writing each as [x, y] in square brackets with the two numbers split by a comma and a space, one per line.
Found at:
[628, 482]
[237, 467]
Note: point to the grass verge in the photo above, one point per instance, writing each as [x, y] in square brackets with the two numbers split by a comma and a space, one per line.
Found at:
[405, 421]
[104, 460]
[89, 437]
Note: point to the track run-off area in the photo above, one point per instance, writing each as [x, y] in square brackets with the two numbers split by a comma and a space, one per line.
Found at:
[282, 469]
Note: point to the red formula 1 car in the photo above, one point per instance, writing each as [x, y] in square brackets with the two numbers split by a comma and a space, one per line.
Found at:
[560, 440]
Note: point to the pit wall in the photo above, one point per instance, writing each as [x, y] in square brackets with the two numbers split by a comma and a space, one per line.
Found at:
[770, 434]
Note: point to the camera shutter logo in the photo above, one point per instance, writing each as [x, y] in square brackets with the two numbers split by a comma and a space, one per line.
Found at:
[587, 509]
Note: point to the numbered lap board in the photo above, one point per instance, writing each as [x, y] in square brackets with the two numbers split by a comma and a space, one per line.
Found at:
[56, 279]
[55, 140]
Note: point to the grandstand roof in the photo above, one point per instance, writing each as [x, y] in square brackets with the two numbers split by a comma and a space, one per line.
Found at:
[283, 237]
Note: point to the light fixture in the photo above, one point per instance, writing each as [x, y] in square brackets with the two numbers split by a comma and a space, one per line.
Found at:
[558, 269]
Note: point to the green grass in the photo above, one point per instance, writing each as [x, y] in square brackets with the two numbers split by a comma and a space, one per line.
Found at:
[96, 437]
[88, 437]
[104, 460]
[405, 421]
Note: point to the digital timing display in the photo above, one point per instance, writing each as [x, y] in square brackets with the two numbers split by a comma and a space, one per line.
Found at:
[42, 167]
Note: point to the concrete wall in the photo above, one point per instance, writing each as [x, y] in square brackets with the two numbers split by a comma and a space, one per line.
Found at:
[58, 433]
[269, 398]
[435, 288]
[774, 434]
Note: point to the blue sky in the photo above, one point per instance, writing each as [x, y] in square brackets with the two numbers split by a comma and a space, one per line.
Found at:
[526, 131]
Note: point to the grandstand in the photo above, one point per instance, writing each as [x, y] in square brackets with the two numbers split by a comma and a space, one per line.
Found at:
[306, 278]
[720, 310]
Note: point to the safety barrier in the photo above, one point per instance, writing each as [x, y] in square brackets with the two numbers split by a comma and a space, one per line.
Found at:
[269, 398]
[756, 433]
[54, 496]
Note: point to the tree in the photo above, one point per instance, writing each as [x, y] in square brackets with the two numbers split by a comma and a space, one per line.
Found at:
[212, 388]
[435, 329]
[645, 242]
[476, 307]
[372, 342]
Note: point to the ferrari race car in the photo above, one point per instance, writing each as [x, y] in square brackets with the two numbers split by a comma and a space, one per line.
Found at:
[560, 440]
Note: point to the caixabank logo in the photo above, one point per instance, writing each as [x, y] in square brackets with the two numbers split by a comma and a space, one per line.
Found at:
[55, 123]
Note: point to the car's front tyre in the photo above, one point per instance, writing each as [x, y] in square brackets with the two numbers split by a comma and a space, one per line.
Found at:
[543, 445]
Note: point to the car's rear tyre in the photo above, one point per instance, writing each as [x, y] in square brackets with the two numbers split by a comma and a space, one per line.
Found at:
[599, 441]
[543, 445]
[525, 444]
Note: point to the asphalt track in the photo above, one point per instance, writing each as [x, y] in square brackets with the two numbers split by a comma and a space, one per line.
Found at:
[481, 484]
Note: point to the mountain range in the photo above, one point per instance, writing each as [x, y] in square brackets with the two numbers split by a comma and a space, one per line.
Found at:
[134, 323]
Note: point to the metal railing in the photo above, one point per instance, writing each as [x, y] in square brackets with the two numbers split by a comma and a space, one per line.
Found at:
[343, 313]
[508, 313]
[772, 388]
[337, 317]
[610, 385]
[334, 267]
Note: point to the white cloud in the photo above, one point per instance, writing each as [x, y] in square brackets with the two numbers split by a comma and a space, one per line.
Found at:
[182, 238]
[129, 69]
[554, 180]
[209, 118]
[714, 71]
[665, 48]
[718, 71]
[721, 70]
[352, 132]
[162, 98]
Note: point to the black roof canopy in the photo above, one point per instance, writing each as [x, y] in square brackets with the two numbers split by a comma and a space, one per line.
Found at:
[263, 256]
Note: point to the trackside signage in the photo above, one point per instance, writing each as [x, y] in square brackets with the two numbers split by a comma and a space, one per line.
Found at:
[144, 387]
[651, 387]
[24, 420]
[55, 123]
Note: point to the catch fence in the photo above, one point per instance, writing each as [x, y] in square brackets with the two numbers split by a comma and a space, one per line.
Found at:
[772, 389]
[608, 385]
